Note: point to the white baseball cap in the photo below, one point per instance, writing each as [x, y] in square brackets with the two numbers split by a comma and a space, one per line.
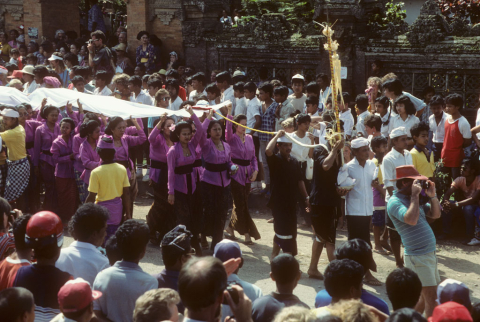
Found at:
[10, 113]
[298, 76]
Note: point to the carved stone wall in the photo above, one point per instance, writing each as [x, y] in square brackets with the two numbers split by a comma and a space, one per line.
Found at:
[11, 14]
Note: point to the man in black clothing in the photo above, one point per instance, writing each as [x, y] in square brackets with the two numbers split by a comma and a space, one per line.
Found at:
[285, 271]
[100, 56]
[286, 178]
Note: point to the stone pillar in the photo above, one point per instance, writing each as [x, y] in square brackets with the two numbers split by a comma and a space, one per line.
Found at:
[137, 21]
[11, 14]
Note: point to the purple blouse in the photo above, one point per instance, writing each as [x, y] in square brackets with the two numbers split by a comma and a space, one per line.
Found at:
[242, 151]
[176, 158]
[73, 116]
[132, 130]
[90, 160]
[127, 142]
[61, 152]
[213, 155]
[158, 151]
[77, 142]
[43, 143]
[30, 127]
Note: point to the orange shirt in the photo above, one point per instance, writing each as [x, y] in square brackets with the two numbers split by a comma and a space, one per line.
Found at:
[8, 271]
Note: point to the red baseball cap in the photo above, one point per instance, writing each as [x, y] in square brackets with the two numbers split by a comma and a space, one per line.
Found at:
[16, 74]
[451, 312]
[76, 295]
[408, 172]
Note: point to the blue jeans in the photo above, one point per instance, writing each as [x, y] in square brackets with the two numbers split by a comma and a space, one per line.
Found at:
[469, 212]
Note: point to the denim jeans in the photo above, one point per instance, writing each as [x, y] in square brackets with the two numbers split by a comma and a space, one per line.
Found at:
[469, 212]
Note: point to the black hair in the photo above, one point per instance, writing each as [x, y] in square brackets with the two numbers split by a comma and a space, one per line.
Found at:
[250, 86]
[341, 275]
[72, 58]
[172, 83]
[312, 100]
[11, 67]
[112, 124]
[239, 86]
[406, 315]
[403, 288]
[164, 122]
[285, 269]
[393, 85]
[455, 100]
[313, 87]
[175, 135]
[132, 238]
[155, 83]
[428, 89]
[26, 106]
[476, 312]
[142, 67]
[200, 77]
[135, 81]
[77, 79]
[211, 124]
[362, 102]
[267, 88]
[49, 251]
[99, 35]
[32, 56]
[385, 101]
[47, 46]
[69, 121]
[84, 71]
[172, 253]
[409, 107]
[41, 71]
[301, 118]
[87, 220]
[224, 77]
[200, 288]
[377, 141]
[141, 33]
[14, 303]
[88, 128]
[419, 127]
[437, 100]
[172, 73]
[373, 121]
[91, 116]
[281, 90]
[400, 182]
[112, 250]
[107, 155]
[19, 231]
[357, 250]
[212, 88]
[189, 81]
[104, 75]
[324, 77]
[47, 109]
[185, 103]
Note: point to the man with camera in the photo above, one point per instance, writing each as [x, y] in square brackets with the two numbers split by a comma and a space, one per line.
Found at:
[409, 210]
[100, 57]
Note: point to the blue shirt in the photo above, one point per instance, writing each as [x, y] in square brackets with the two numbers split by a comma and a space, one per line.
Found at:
[418, 239]
[95, 14]
[323, 299]
[169, 279]
[268, 122]
[152, 120]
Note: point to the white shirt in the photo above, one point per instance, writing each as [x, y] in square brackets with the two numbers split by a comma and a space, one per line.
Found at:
[359, 200]
[229, 95]
[30, 88]
[391, 161]
[384, 128]
[418, 103]
[175, 105]
[299, 152]
[298, 103]
[323, 97]
[348, 121]
[253, 292]
[82, 260]
[360, 123]
[396, 121]
[105, 91]
[253, 109]
[142, 98]
[193, 93]
[321, 133]
[463, 126]
[438, 130]
[240, 106]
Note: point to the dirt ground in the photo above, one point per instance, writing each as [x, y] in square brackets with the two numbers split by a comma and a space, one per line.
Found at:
[455, 260]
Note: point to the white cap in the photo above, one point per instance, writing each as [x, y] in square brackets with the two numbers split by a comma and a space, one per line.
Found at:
[359, 142]
[10, 113]
[55, 57]
[238, 73]
[284, 139]
[399, 131]
[202, 103]
[298, 76]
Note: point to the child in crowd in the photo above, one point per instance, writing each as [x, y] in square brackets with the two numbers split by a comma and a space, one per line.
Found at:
[241, 105]
[15, 58]
[361, 104]
[284, 108]
[457, 135]
[437, 124]
[254, 120]
[298, 98]
[79, 85]
[382, 108]
[422, 158]
[345, 114]
[102, 79]
[154, 85]
[213, 94]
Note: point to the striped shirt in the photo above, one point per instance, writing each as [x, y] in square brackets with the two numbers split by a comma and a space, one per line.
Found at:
[7, 245]
[417, 239]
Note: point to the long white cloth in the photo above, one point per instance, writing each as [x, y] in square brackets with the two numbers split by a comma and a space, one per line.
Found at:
[106, 105]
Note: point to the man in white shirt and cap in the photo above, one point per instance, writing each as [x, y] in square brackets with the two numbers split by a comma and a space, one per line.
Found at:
[398, 156]
[298, 98]
[359, 200]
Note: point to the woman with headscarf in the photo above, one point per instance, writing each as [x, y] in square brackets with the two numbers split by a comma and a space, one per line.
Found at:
[18, 167]
[145, 54]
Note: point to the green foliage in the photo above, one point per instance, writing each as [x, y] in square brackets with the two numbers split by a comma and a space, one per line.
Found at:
[394, 14]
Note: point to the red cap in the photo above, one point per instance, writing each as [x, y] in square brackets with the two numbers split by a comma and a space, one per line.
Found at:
[451, 312]
[44, 228]
[408, 172]
[76, 295]
[16, 74]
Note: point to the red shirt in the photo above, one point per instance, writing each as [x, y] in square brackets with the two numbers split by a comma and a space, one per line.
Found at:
[8, 271]
[182, 93]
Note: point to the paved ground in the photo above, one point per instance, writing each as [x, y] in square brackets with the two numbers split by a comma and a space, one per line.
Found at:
[455, 260]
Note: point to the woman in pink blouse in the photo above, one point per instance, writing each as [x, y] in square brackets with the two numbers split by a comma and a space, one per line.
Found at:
[116, 128]
[161, 217]
[182, 175]
[216, 180]
[243, 155]
[42, 157]
[63, 157]
[90, 132]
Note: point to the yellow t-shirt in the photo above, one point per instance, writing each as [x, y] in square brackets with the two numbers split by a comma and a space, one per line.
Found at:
[380, 176]
[420, 162]
[15, 141]
[108, 181]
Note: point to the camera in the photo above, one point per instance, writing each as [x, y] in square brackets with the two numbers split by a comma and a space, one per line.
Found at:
[425, 184]
[233, 293]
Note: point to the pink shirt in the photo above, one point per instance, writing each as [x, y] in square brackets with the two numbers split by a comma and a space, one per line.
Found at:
[90, 160]
[158, 151]
[468, 191]
[61, 151]
[243, 151]
[127, 142]
[30, 127]
[77, 142]
[43, 142]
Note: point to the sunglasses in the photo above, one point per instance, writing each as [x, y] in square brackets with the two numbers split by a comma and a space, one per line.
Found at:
[166, 98]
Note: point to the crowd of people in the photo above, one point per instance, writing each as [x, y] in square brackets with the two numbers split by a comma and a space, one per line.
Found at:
[387, 161]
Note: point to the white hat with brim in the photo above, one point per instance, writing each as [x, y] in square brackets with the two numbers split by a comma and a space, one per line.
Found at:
[55, 57]
[238, 73]
[10, 113]
[298, 76]
[399, 131]
[28, 70]
[359, 142]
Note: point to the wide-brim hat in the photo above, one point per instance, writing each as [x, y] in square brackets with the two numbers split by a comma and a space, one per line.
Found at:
[408, 172]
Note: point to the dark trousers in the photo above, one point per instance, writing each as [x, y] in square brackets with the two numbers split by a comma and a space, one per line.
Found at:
[359, 227]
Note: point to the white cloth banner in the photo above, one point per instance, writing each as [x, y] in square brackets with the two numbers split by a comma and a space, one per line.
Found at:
[106, 105]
